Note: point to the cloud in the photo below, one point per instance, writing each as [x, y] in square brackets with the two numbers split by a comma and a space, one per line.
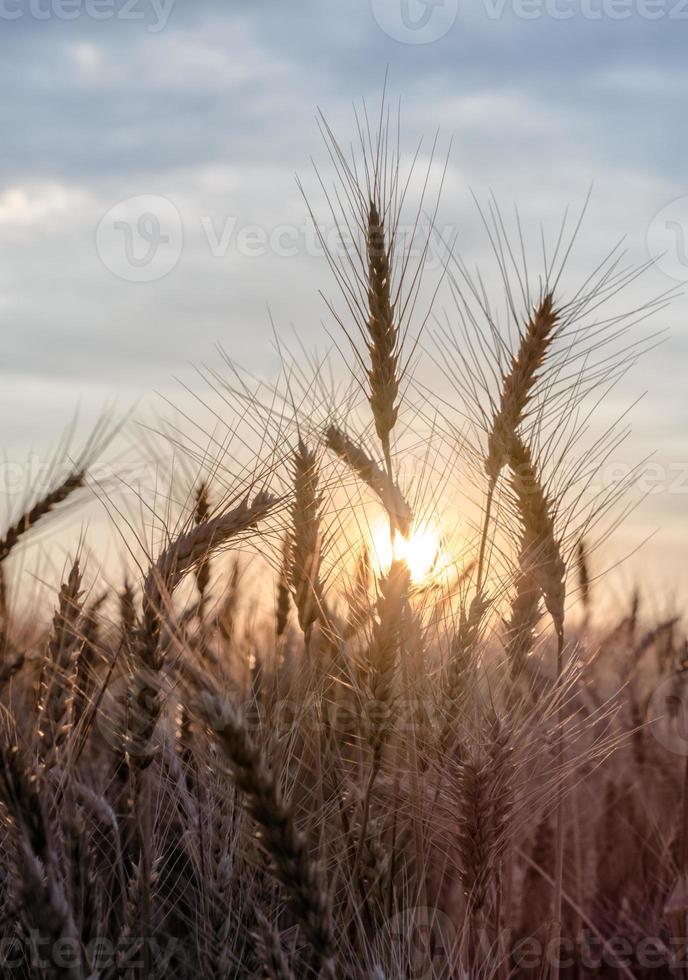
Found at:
[216, 112]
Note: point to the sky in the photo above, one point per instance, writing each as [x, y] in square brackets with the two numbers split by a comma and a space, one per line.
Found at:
[149, 208]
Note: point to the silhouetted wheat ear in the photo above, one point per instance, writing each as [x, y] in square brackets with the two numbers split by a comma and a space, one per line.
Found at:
[43, 903]
[181, 555]
[279, 836]
[201, 514]
[522, 622]
[485, 778]
[91, 653]
[226, 618]
[518, 383]
[127, 609]
[29, 519]
[358, 595]
[383, 342]
[306, 537]
[270, 952]
[39, 510]
[541, 553]
[283, 595]
[460, 667]
[583, 575]
[60, 670]
[368, 471]
[383, 654]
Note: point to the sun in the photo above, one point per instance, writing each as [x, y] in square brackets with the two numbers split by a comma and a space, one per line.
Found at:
[422, 551]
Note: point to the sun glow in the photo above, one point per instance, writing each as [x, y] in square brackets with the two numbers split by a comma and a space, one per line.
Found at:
[422, 551]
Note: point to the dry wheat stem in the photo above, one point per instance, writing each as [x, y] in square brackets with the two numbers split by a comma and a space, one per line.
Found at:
[184, 552]
[368, 471]
[306, 539]
[285, 846]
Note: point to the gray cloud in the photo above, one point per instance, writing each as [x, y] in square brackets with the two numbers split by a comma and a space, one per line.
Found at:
[216, 111]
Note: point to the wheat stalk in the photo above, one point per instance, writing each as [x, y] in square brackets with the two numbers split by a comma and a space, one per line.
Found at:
[40, 509]
[518, 383]
[384, 340]
[283, 594]
[60, 671]
[542, 560]
[516, 392]
[285, 846]
[368, 471]
[306, 539]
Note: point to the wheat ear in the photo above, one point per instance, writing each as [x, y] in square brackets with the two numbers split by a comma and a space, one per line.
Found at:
[518, 383]
[368, 471]
[185, 552]
[270, 952]
[285, 846]
[306, 539]
[541, 554]
[43, 900]
[516, 391]
[382, 657]
[460, 665]
[584, 577]
[283, 595]
[202, 572]
[383, 333]
[522, 622]
[31, 517]
[542, 562]
[59, 672]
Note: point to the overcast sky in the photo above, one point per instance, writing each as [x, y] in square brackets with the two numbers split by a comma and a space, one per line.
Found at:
[202, 112]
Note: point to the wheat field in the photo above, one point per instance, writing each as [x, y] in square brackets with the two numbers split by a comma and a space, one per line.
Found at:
[389, 751]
